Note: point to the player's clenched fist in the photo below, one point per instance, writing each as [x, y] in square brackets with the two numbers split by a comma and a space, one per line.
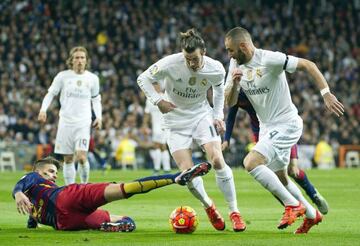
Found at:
[236, 75]
[165, 106]
[42, 117]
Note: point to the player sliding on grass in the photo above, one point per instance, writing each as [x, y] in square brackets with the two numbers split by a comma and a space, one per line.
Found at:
[75, 206]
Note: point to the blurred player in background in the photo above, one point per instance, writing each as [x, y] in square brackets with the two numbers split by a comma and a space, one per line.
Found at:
[261, 75]
[188, 117]
[159, 154]
[75, 206]
[294, 171]
[79, 90]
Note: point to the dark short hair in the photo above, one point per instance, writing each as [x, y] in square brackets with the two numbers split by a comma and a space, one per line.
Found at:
[239, 34]
[47, 160]
[191, 40]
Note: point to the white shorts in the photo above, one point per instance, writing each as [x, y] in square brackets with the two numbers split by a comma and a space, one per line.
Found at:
[202, 133]
[275, 142]
[71, 138]
[159, 136]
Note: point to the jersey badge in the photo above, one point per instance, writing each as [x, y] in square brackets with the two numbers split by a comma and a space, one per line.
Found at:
[192, 81]
[78, 83]
[204, 82]
[258, 72]
[249, 74]
[154, 70]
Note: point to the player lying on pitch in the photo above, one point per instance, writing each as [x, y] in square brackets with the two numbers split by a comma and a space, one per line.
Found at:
[75, 206]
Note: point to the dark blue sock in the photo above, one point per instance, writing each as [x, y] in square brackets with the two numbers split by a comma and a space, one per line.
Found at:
[304, 182]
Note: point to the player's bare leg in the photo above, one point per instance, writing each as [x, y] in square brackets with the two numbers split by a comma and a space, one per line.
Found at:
[225, 182]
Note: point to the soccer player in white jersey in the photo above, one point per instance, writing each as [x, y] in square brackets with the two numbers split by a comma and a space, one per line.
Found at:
[159, 154]
[261, 75]
[79, 90]
[188, 117]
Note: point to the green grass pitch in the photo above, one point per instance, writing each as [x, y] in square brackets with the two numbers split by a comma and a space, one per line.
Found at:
[150, 211]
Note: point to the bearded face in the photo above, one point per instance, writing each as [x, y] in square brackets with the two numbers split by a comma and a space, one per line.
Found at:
[235, 52]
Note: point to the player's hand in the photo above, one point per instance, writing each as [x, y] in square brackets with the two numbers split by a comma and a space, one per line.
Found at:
[97, 124]
[219, 126]
[224, 145]
[333, 105]
[23, 203]
[42, 117]
[236, 76]
[165, 106]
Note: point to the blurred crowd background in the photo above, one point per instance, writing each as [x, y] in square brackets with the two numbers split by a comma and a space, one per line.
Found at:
[125, 37]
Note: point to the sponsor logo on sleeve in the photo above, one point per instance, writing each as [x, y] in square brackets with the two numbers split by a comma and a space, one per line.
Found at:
[154, 70]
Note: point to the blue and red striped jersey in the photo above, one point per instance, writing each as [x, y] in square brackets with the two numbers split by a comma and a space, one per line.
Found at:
[42, 194]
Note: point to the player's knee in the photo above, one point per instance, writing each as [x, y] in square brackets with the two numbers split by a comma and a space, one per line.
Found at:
[68, 159]
[250, 162]
[293, 170]
[282, 177]
[217, 161]
[82, 159]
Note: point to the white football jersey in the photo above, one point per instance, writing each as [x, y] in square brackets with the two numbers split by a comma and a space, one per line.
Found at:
[157, 118]
[264, 83]
[76, 91]
[187, 89]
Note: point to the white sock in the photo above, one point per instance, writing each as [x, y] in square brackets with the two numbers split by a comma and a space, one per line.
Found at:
[156, 156]
[84, 172]
[225, 182]
[295, 191]
[271, 182]
[69, 173]
[196, 187]
[165, 159]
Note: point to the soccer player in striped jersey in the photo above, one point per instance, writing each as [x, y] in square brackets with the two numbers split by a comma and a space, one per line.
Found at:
[75, 206]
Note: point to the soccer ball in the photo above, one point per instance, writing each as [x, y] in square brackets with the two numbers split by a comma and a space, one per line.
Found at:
[183, 220]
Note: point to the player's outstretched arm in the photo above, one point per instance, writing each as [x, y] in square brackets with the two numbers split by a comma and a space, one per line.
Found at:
[331, 102]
